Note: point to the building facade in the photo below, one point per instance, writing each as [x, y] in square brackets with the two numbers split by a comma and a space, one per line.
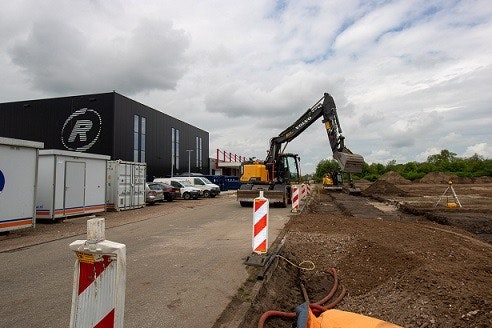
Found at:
[110, 124]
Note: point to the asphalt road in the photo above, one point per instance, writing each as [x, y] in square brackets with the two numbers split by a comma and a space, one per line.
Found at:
[183, 269]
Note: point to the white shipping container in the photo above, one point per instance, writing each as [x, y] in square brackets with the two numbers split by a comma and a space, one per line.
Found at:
[125, 185]
[18, 167]
[70, 183]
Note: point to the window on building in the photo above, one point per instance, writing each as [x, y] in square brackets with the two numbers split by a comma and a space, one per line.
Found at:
[139, 132]
[175, 148]
[135, 137]
[198, 152]
[173, 153]
[143, 129]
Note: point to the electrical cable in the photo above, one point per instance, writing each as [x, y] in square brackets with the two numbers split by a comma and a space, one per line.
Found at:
[299, 266]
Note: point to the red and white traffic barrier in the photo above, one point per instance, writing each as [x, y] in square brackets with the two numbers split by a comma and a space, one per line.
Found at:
[308, 189]
[303, 191]
[260, 224]
[98, 299]
[295, 198]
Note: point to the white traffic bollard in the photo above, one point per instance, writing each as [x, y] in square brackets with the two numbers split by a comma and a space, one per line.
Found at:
[98, 298]
[260, 224]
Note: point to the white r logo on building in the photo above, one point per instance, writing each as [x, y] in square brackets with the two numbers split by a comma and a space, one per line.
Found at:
[81, 129]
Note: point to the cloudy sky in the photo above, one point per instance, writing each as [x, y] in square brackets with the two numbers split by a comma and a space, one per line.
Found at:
[409, 77]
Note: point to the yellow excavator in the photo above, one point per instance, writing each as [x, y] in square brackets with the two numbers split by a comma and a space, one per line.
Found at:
[333, 181]
[275, 175]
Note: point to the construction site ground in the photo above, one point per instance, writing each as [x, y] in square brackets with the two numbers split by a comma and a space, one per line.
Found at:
[400, 258]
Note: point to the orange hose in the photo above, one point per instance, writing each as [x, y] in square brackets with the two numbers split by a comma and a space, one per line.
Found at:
[273, 313]
[333, 289]
[317, 308]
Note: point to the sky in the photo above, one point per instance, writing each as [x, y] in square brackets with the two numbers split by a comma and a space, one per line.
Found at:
[409, 78]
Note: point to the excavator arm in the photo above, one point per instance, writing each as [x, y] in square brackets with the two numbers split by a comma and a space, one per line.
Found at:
[326, 108]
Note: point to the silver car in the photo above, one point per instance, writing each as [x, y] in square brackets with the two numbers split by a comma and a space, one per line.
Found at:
[153, 193]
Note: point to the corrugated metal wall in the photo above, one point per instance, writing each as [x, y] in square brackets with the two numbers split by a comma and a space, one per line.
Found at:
[53, 121]
[103, 124]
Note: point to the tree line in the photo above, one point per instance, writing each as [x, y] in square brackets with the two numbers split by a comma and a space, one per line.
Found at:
[445, 161]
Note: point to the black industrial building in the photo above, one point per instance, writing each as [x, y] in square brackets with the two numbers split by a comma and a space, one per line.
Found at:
[110, 124]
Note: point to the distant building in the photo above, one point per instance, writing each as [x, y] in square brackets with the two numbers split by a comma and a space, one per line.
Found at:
[110, 124]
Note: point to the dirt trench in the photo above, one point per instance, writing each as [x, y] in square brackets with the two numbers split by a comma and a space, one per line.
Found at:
[394, 260]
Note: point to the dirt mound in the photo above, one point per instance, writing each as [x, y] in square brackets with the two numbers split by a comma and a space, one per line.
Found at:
[463, 180]
[438, 177]
[382, 187]
[394, 178]
[483, 180]
[415, 274]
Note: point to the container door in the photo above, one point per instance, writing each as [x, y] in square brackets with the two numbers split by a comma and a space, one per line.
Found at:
[124, 186]
[74, 187]
[138, 196]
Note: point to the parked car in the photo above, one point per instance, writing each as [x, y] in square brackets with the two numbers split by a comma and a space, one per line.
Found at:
[186, 191]
[170, 192]
[153, 193]
[208, 189]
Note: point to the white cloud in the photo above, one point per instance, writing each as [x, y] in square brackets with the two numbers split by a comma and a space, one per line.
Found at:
[482, 149]
[410, 78]
[59, 57]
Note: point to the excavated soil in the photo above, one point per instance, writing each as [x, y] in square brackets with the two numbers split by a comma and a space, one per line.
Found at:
[401, 254]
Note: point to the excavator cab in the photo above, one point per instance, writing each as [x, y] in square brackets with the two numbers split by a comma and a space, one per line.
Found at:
[287, 169]
[274, 179]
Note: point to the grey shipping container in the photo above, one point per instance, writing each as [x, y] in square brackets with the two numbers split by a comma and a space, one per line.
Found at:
[125, 185]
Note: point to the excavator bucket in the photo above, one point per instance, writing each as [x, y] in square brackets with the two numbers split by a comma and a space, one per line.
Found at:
[350, 163]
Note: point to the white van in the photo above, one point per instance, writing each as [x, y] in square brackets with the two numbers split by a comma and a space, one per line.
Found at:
[186, 190]
[208, 188]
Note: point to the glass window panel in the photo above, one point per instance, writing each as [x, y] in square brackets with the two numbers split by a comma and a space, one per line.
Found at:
[135, 141]
[135, 123]
[143, 124]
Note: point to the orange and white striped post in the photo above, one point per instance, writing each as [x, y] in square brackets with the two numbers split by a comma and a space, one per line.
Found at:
[98, 299]
[261, 207]
[295, 198]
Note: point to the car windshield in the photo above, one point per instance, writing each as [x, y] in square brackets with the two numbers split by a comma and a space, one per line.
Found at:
[206, 180]
[155, 186]
[186, 184]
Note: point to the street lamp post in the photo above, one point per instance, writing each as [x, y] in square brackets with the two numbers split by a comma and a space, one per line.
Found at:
[189, 161]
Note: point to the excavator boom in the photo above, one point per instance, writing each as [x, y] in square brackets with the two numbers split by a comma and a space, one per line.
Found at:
[326, 108]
